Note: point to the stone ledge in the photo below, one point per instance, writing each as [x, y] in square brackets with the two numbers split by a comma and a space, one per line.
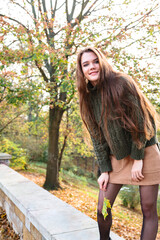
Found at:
[5, 156]
[39, 215]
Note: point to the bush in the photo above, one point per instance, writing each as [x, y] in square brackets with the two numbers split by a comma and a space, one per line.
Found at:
[129, 195]
[19, 158]
[158, 207]
[37, 150]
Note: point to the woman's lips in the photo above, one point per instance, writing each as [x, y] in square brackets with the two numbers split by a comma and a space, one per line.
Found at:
[93, 73]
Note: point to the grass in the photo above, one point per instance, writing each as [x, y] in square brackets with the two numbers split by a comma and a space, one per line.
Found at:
[38, 167]
[82, 182]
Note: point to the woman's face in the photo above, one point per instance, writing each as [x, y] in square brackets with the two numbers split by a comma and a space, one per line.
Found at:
[90, 67]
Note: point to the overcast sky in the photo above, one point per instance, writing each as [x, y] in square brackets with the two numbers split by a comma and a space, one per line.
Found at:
[118, 9]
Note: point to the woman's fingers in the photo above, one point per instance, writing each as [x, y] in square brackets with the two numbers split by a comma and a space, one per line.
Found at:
[103, 181]
[137, 176]
[136, 171]
[104, 185]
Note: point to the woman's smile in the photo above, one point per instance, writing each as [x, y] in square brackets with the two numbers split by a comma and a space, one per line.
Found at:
[94, 73]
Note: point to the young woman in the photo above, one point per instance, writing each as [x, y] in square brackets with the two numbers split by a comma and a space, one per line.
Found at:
[121, 122]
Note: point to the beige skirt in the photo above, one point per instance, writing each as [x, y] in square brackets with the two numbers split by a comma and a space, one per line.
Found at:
[121, 173]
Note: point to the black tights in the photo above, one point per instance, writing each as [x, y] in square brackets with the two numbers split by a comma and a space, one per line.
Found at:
[148, 196]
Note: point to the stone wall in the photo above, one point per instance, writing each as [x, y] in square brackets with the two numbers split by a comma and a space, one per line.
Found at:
[36, 214]
[18, 220]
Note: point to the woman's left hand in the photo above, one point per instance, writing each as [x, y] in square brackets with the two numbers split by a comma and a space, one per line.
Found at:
[136, 171]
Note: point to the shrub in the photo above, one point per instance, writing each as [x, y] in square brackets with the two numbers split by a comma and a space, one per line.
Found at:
[19, 158]
[37, 150]
[129, 195]
[158, 207]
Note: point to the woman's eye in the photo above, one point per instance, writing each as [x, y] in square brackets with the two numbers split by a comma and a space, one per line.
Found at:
[85, 65]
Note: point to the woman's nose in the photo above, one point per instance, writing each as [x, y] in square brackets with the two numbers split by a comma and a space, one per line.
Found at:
[92, 65]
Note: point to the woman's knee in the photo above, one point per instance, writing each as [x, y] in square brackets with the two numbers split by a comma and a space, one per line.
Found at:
[149, 209]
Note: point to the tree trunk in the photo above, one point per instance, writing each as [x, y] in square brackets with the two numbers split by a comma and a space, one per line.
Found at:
[93, 164]
[78, 162]
[61, 152]
[52, 175]
[86, 163]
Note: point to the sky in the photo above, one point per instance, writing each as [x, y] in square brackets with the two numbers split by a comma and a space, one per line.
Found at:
[118, 9]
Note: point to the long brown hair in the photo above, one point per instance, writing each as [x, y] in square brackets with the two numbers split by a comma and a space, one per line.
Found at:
[114, 88]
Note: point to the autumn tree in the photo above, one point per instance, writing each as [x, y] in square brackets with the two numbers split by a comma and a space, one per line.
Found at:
[49, 34]
[15, 92]
[78, 154]
[48, 45]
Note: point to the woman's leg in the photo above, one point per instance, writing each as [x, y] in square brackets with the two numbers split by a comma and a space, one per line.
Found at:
[105, 225]
[148, 196]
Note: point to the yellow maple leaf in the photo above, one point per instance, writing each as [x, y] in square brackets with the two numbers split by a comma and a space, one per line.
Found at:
[106, 205]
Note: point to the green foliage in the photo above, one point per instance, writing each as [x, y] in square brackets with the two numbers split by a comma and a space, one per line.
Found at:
[16, 90]
[129, 195]
[19, 158]
[83, 179]
[29, 131]
[158, 135]
[78, 140]
[78, 171]
[36, 148]
[37, 167]
[158, 206]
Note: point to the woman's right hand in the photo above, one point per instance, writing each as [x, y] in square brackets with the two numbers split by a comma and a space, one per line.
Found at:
[103, 181]
[136, 171]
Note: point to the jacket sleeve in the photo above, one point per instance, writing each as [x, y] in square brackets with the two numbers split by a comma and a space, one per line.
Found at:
[101, 149]
[136, 152]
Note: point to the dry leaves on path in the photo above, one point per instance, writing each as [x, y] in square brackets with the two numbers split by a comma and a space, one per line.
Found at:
[126, 223]
[6, 230]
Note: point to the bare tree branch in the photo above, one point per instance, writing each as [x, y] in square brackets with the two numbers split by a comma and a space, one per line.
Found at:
[41, 71]
[14, 20]
[53, 11]
[126, 28]
[56, 9]
[2, 97]
[141, 18]
[81, 16]
[68, 20]
[11, 43]
[6, 125]
[33, 11]
[45, 11]
[41, 14]
[70, 16]
[73, 9]
[64, 141]
[137, 22]
[137, 40]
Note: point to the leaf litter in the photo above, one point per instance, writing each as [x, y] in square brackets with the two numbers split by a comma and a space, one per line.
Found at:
[126, 222]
